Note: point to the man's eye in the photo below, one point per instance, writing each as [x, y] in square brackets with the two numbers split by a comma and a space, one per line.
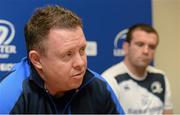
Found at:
[82, 51]
[153, 47]
[69, 54]
[139, 44]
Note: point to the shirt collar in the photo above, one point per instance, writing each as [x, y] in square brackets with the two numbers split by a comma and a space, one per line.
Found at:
[35, 77]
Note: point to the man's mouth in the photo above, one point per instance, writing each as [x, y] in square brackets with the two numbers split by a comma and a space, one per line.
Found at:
[78, 75]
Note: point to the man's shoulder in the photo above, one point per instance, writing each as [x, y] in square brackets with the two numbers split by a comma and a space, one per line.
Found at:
[94, 76]
[97, 81]
[114, 70]
[21, 70]
[104, 91]
[11, 85]
[152, 69]
[157, 74]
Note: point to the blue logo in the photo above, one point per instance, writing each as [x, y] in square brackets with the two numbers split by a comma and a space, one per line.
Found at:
[118, 41]
[7, 33]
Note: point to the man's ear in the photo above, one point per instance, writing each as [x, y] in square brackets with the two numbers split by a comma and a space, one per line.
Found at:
[125, 47]
[34, 56]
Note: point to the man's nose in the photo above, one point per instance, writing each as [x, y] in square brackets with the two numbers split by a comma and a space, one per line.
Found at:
[78, 61]
[146, 49]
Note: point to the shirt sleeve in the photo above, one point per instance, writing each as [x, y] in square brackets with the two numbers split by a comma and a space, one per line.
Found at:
[168, 102]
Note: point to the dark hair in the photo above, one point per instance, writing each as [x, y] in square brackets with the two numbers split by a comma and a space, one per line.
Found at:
[144, 27]
[45, 19]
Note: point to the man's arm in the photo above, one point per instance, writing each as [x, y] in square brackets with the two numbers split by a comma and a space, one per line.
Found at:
[168, 106]
[113, 105]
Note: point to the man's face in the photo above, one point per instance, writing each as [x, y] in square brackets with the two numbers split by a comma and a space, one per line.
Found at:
[140, 51]
[65, 62]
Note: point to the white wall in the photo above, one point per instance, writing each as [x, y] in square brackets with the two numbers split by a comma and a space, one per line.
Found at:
[166, 19]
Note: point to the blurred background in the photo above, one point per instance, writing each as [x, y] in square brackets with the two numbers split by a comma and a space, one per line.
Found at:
[166, 19]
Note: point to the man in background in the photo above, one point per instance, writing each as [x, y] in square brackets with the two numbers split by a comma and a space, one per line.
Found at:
[141, 88]
[54, 78]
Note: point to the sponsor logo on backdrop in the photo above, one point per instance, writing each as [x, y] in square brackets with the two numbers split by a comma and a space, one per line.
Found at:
[91, 49]
[7, 33]
[6, 66]
[118, 41]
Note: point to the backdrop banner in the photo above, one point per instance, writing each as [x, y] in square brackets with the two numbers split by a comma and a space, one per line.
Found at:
[105, 25]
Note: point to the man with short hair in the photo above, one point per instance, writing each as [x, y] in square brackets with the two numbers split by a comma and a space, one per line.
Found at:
[54, 78]
[141, 88]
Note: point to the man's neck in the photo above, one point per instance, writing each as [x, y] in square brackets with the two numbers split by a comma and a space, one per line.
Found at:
[52, 91]
[137, 71]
